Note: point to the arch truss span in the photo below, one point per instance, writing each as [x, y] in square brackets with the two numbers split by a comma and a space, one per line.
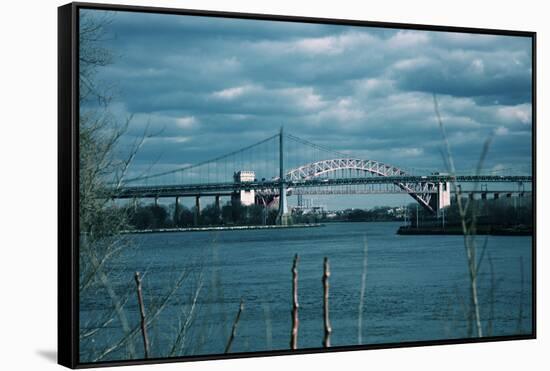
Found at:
[367, 168]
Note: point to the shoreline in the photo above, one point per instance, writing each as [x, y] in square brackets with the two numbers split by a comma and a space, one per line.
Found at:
[455, 231]
[221, 228]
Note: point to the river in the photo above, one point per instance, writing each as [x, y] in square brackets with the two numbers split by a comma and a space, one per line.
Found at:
[416, 286]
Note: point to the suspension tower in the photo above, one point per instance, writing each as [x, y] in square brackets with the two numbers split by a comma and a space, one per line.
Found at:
[283, 217]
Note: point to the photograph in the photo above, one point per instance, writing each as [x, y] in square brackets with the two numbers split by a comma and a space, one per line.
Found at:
[256, 185]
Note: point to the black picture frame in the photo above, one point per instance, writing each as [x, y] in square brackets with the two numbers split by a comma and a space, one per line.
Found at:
[68, 187]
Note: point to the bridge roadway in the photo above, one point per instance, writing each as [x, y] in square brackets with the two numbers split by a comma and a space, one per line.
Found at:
[416, 183]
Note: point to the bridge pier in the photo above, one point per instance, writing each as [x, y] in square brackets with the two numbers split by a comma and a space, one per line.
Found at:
[176, 211]
[156, 201]
[197, 210]
[443, 197]
[218, 208]
[283, 218]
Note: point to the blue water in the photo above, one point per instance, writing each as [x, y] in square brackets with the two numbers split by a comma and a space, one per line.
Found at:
[416, 287]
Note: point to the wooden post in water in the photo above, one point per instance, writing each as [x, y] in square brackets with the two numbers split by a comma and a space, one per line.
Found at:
[295, 305]
[234, 329]
[142, 316]
[328, 329]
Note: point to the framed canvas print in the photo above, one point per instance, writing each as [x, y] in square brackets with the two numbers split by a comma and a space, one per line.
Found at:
[235, 185]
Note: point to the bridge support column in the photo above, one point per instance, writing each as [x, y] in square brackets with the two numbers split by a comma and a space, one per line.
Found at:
[443, 195]
[176, 211]
[218, 208]
[156, 201]
[197, 210]
[283, 218]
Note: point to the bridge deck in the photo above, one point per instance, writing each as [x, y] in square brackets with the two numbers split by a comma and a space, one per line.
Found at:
[224, 189]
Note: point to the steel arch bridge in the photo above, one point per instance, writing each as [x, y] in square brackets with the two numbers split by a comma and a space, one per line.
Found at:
[221, 176]
[421, 192]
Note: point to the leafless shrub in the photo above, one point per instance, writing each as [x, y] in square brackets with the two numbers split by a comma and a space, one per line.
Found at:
[468, 221]
[103, 165]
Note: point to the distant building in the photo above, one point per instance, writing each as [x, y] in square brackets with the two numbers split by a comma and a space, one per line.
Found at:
[244, 176]
[246, 197]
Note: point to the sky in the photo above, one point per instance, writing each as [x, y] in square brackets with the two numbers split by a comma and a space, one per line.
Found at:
[208, 86]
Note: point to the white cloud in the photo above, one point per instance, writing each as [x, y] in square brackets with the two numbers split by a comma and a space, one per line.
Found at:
[322, 45]
[179, 139]
[374, 86]
[465, 39]
[406, 39]
[327, 45]
[412, 63]
[501, 130]
[233, 93]
[477, 66]
[511, 114]
[409, 152]
[342, 110]
[304, 97]
[186, 122]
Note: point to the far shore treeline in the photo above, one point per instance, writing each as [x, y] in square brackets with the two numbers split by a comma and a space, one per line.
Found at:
[490, 212]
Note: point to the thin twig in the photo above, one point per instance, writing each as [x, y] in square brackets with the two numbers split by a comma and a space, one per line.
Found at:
[468, 230]
[142, 316]
[234, 329]
[362, 294]
[467, 313]
[180, 339]
[268, 327]
[483, 250]
[490, 323]
[328, 329]
[520, 314]
[295, 305]
[155, 313]
[116, 302]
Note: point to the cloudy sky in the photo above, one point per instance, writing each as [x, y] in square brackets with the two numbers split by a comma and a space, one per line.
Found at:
[207, 86]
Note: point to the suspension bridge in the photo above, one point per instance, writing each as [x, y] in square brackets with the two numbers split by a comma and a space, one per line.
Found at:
[269, 171]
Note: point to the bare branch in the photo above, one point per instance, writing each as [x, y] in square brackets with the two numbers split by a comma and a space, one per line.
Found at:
[142, 316]
[234, 329]
[295, 305]
[328, 328]
[362, 293]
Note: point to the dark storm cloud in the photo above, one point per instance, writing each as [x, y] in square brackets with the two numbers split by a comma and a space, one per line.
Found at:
[495, 77]
[208, 86]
